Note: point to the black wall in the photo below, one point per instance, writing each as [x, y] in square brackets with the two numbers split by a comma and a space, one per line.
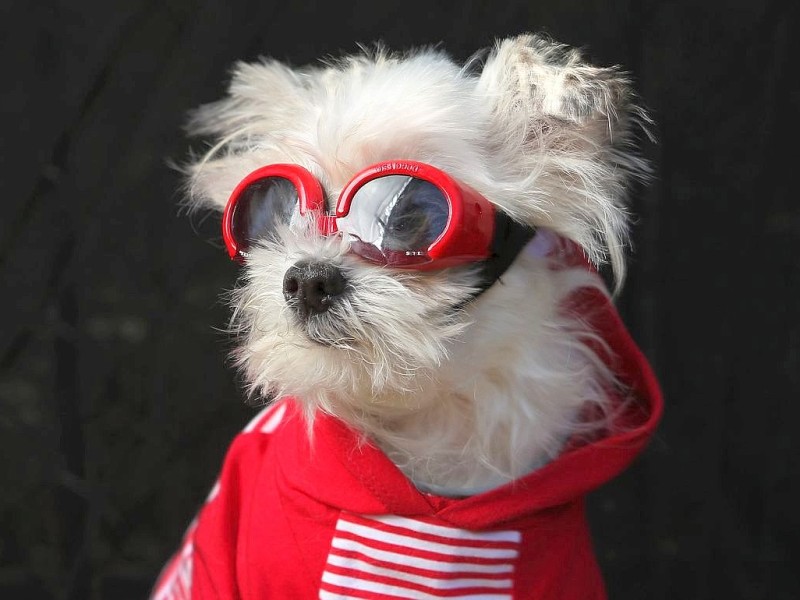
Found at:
[116, 404]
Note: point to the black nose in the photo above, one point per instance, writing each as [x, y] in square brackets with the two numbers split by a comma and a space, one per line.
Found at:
[311, 287]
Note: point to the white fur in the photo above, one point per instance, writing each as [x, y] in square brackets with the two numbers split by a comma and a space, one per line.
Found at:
[461, 399]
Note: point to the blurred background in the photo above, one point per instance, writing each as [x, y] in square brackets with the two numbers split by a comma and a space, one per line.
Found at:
[116, 402]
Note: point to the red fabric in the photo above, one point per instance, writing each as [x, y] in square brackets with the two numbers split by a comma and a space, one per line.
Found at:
[339, 520]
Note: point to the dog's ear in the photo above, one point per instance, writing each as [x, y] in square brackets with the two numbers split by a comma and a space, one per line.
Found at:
[263, 97]
[536, 80]
[570, 124]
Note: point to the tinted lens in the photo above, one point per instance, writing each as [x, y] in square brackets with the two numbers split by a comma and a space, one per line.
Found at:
[263, 206]
[398, 216]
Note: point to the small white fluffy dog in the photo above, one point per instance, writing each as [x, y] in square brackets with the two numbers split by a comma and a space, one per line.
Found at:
[409, 357]
[415, 236]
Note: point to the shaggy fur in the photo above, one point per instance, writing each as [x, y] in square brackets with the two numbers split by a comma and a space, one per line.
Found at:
[461, 399]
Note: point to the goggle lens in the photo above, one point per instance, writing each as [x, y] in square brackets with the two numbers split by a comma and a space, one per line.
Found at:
[395, 219]
[261, 208]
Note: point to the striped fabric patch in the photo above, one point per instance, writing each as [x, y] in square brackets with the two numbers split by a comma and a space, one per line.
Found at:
[267, 420]
[176, 582]
[397, 557]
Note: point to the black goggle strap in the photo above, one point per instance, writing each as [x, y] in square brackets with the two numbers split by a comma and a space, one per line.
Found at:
[510, 237]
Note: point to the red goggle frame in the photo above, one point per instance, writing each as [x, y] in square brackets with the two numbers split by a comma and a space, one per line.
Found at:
[402, 214]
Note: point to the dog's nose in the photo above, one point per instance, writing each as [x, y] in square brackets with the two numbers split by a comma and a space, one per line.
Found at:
[311, 287]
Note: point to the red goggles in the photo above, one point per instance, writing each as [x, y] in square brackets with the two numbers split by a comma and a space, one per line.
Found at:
[401, 214]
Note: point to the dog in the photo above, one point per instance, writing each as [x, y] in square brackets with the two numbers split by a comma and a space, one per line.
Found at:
[420, 309]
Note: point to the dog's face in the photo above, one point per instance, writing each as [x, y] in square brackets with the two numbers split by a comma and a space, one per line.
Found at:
[534, 130]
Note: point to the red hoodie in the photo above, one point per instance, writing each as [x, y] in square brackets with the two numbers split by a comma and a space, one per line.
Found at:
[339, 520]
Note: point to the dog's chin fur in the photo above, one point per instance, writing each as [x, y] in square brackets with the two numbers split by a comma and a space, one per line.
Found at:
[462, 395]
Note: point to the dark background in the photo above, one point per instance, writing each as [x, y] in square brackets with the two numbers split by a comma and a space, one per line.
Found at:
[116, 404]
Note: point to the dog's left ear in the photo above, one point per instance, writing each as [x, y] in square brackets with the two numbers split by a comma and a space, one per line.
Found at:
[569, 124]
[265, 97]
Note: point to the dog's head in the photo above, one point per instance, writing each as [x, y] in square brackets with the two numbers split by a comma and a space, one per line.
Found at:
[533, 130]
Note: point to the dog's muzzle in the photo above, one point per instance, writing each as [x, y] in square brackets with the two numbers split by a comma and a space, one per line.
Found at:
[310, 288]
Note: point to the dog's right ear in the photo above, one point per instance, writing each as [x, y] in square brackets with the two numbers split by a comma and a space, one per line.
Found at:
[570, 125]
[541, 83]
[263, 99]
